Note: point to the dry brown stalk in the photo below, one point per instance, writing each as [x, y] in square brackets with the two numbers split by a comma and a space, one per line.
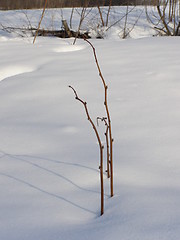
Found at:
[82, 17]
[108, 115]
[108, 13]
[80, 23]
[107, 143]
[100, 147]
[163, 20]
[40, 21]
[100, 14]
[71, 17]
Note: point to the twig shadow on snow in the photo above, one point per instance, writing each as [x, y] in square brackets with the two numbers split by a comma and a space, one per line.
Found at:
[48, 160]
[46, 192]
[21, 158]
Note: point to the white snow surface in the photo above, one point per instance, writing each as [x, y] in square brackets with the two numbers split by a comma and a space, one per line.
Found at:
[49, 156]
[137, 25]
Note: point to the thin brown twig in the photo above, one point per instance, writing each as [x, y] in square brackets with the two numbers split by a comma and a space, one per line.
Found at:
[100, 14]
[42, 15]
[108, 115]
[100, 146]
[108, 13]
[120, 19]
[104, 119]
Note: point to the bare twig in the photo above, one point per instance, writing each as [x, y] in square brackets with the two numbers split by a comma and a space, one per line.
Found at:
[83, 15]
[100, 14]
[163, 20]
[130, 30]
[108, 13]
[125, 23]
[100, 146]
[120, 19]
[15, 30]
[40, 21]
[29, 22]
[80, 23]
[108, 115]
[71, 17]
[166, 17]
[107, 143]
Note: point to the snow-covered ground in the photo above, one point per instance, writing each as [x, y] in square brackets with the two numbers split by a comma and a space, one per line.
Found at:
[136, 23]
[49, 157]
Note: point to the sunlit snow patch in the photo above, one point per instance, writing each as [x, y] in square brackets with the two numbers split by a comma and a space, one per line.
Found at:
[10, 71]
[3, 39]
[69, 48]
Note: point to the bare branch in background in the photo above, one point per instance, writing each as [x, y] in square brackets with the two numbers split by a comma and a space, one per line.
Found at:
[82, 17]
[113, 24]
[165, 17]
[108, 13]
[40, 21]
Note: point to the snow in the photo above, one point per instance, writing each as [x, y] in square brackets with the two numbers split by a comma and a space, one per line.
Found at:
[49, 157]
[137, 25]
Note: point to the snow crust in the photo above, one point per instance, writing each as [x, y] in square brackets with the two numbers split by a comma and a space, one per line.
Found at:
[49, 177]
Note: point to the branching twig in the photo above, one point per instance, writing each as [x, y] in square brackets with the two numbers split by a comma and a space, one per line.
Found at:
[107, 143]
[119, 19]
[100, 146]
[80, 23]
[130, 30]
[107, 112]
[14, 29]
[163, 20]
